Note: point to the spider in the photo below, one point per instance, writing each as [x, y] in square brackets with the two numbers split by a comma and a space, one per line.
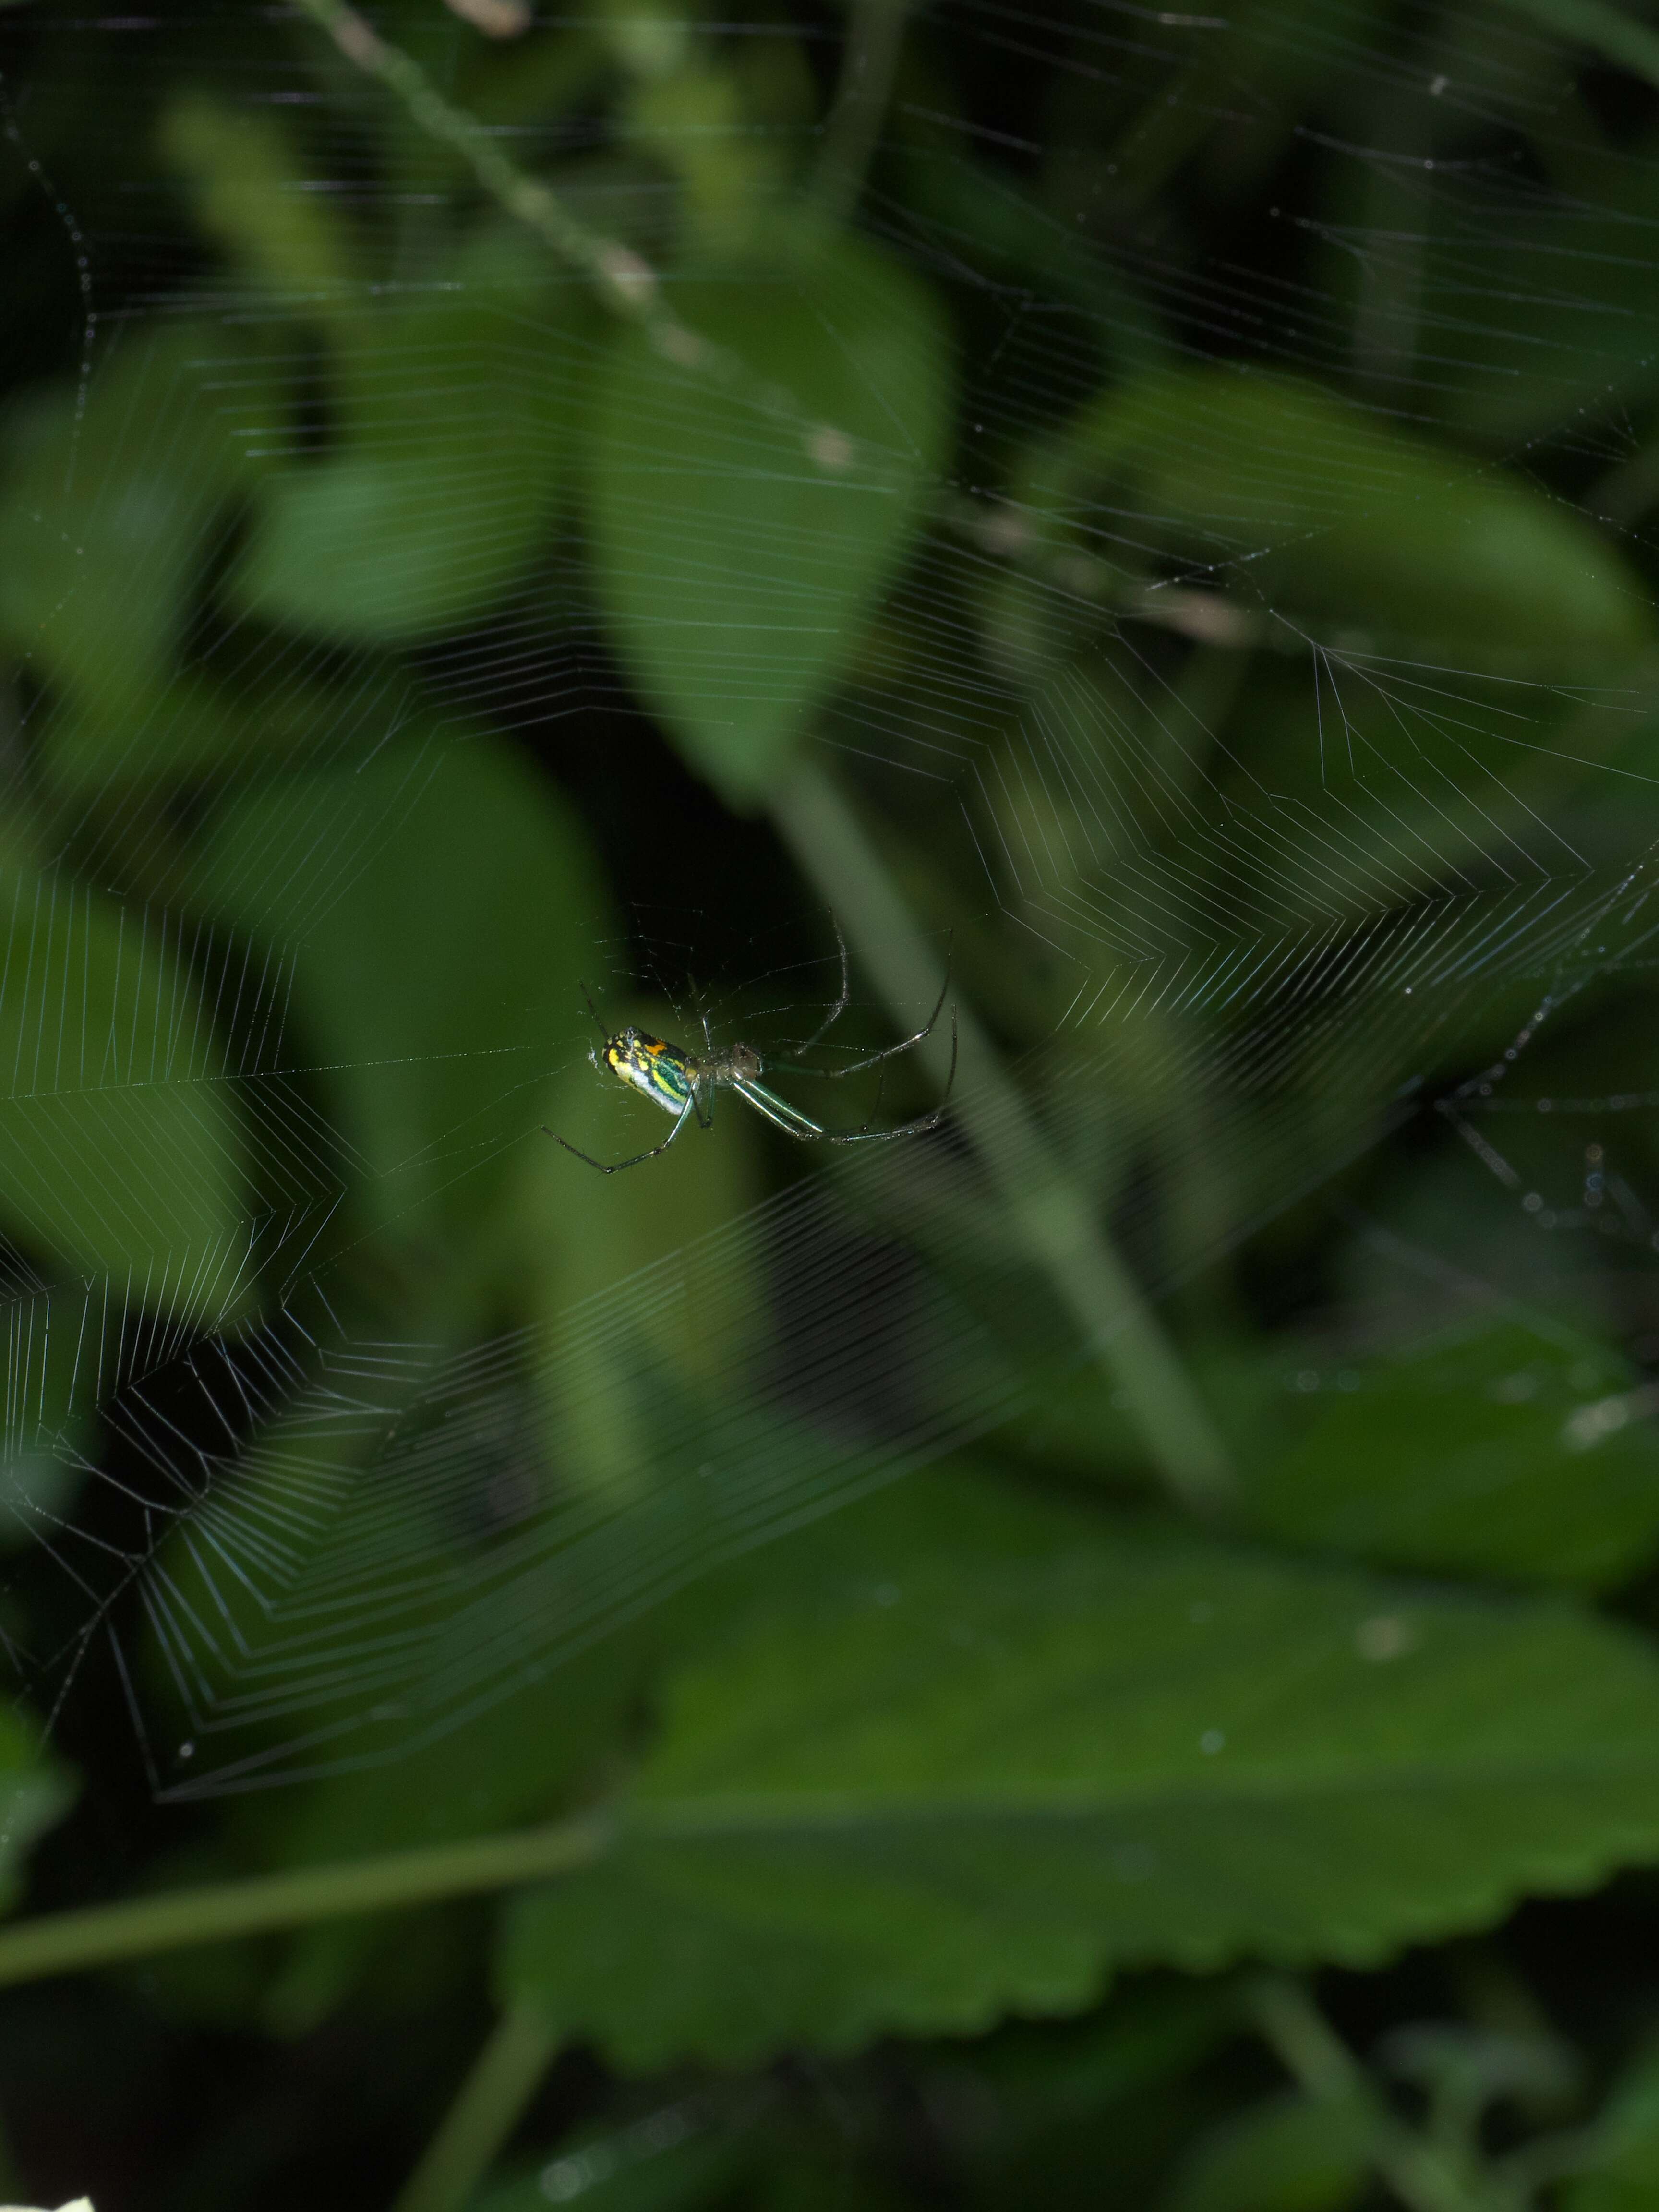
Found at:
[683, 1083]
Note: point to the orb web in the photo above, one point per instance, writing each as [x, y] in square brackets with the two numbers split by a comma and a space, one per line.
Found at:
[1267, 882]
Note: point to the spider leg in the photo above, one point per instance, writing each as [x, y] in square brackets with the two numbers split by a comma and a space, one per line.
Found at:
[615, 1167]
[842, 1003]
[594, 1011]
[779, 1112]
[806, 1131]
[888, 1052]
[922, 1122]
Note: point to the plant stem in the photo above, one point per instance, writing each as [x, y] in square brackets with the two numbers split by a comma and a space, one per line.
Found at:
[504, 2077]
[875, 30]
[71, 1942]
[1055, 1219]
[1310, 2052]
[624, 280]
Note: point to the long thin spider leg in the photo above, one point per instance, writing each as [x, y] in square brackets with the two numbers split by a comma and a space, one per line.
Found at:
[806, 1131]
[951, 1073]
[780, 1112]
[887, 1052]
[842, 1003]
[615, 1167]
[922, 1122]
[594, 1011]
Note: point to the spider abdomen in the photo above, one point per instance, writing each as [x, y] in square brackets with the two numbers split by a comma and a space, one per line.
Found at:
[661, 1071]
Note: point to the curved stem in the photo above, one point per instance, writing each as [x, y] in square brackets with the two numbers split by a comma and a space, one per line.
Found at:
[1054, 1218]
[488, 2106]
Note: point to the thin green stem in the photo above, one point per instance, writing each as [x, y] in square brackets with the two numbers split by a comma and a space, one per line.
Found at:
[875, 32]
[488, 2108]
[1303, 2041]
[1416, 2170]
[99, 1935]
[1055, 1219]
[623, 280]
[1007, 533]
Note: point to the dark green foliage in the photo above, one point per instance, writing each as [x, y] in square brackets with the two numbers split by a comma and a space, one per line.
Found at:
[1016, 1749]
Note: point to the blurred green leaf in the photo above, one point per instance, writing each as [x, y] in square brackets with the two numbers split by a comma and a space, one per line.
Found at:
[1079, 2112]
[122, 1150]
[741, 535]
[1624, 2176]
[110, 527]
[518, 1761]
[250, 200]
[1017, 1746]
[982, 217]
[1303, 503]
[730, 164]
[439, 904]
[1288, 2153]
[1607, 31]
[195, 730]
[1502, 1449]
[56, 1344]
[700, 1332]
[110, 515]
[456, 421]
[35, 1793]
[1567, 331]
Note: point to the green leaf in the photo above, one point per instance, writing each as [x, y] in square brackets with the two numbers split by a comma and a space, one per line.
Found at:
[122, 1150]
[34, 1795]
[241, 171]
[456, 427]
[61, 1347]
[1544, 357]
[1107, 2101]
[982, 218]
[1500, 1449]
[110, 515]
[111, 522]
[1013, 1748]
[1606, 30]
[1284, 494]
[439, 904]
[1287, 2153]
[741, 534]
[1625, 2175]
[688, 1335]
[470, 1781]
